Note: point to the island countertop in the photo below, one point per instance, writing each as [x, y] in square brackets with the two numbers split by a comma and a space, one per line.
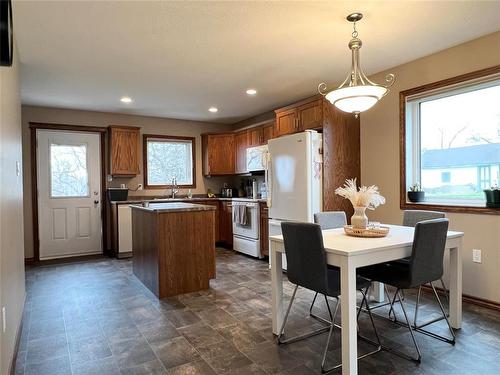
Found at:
[173, 207]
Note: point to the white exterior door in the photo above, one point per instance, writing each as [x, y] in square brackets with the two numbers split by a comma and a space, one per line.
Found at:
[69, 193]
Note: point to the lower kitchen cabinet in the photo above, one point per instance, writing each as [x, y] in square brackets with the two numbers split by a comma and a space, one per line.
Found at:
[264, 229]
[226, 223]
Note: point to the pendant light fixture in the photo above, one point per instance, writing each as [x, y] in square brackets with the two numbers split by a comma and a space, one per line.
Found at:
[357, 93]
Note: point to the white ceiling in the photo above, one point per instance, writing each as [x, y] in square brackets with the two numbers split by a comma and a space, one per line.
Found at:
[176, 59]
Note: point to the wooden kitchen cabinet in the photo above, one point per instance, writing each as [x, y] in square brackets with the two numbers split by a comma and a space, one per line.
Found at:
[124, 150]
[286, 122]
[268, 132]
[264, 229]
[226, 223]
[255, 136]
[310, 115]
[218, 152]
[306, 114]
[242, 142]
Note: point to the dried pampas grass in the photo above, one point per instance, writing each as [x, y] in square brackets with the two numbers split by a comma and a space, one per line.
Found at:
[366, 196]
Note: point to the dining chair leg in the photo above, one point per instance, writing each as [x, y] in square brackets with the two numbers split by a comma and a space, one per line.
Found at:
[325, 352]
[445, 317]
[391, 310]
[300, 337]
[416, 306]
[419, 357]
[312, 304]
[446, 294]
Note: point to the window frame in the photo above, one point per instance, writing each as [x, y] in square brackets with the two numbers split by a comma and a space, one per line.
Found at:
[147, 137]
[412, 166]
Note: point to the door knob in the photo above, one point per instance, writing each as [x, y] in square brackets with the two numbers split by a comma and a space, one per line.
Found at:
[96, 202]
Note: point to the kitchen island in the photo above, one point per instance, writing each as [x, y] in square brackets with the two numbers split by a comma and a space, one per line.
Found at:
[174, 247]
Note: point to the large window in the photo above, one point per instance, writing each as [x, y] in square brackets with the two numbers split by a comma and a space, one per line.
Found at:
[452, 141]
[167, 158]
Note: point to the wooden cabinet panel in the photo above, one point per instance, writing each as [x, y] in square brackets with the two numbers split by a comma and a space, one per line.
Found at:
[124, 150]
[226, 223]
[218, 154]
[310, 116]
[268, 132]
[264, 229]
[217, 215]
[241, 144]
[255, 137]
[286, 122]
[341, 156]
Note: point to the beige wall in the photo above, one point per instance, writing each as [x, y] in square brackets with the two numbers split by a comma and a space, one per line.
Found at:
[149, 125]
[12, 292]
[380, 156]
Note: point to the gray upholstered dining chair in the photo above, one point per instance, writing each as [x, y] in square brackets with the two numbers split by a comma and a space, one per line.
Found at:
[327, 220]
[425, 265]
[330, 219]
[307, 268]
[410, 219]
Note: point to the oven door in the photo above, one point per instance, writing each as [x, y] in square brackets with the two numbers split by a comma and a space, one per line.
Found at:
[252, 228]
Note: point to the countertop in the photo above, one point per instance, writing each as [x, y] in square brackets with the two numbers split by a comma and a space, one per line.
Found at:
[173, 207]
[154, 200]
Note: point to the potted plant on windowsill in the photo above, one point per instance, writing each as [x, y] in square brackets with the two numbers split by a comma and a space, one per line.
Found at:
[492, 197]
[416, 194]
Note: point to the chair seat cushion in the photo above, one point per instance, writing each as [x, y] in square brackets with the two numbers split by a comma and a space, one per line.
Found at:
[396, 274]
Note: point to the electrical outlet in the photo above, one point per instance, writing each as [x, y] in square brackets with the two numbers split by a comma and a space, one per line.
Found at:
[109, 178]
[4, 320]
[139, 187]
[476, 256]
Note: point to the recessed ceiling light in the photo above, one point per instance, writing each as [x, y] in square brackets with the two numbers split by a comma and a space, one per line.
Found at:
[251, 91]
[126, 99]
[213, 109]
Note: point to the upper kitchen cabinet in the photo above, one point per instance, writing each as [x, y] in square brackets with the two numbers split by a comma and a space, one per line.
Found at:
[124, 150]
[218, 152]
[268, 132]
[255, 137]
[306, 114]
[242, 142]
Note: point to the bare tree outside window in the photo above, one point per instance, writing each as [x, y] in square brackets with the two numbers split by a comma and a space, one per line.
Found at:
[68, 171]
[168, 159]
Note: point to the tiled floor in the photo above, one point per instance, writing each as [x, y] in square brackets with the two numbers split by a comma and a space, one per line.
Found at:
[96, 318]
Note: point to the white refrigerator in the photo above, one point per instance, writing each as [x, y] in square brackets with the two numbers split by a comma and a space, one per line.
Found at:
[294, 179]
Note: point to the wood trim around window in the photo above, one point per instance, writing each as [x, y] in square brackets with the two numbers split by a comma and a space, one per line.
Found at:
[402, 144]
[145, 138]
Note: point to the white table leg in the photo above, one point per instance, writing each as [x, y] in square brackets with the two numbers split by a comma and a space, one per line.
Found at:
[378, 294]
[456, 287]
[277, 287]
[348, 309]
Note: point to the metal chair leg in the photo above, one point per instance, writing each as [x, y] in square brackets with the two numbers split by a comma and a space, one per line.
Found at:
[300, 337]
[446, 294]
[419, 357]
[317, 317]
[377, 343]
[445, 317]
[416, 306]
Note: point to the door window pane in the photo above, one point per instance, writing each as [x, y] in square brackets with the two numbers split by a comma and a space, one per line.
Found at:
[68, 171]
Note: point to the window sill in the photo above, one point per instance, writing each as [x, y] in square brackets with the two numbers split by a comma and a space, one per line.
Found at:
[439, 206]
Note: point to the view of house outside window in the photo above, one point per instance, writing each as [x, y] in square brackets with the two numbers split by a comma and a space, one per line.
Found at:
[460, 145]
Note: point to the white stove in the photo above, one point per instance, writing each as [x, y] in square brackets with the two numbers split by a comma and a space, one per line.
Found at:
[246, 238]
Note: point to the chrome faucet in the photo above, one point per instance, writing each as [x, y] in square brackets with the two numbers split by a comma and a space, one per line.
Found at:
[175, 190]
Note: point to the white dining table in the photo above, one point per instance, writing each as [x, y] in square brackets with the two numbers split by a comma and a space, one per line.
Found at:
[350, 253]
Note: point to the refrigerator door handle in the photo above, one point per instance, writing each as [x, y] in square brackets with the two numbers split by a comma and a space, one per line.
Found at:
[267, 171]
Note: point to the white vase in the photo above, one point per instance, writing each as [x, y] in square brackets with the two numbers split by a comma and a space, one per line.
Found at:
[359, 220]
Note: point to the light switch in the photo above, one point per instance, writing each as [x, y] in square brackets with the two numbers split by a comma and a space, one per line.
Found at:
[476, 256]
[18, 168]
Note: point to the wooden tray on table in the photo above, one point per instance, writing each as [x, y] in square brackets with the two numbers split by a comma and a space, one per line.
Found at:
[372, 232]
